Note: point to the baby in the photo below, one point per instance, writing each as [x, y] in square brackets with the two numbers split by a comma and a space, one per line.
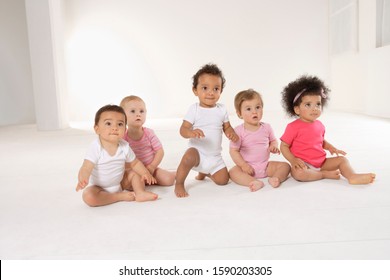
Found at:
[303, 142]
[143, 141]
[105, 162]
[203, 125]
[252, 151]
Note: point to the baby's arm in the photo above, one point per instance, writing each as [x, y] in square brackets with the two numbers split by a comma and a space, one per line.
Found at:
[187, 132]
[156, 161]
[84, 174]
[295, 162]
[332, 149]
[141, 170]
[229, 132]
[240, 162]
[273, 147]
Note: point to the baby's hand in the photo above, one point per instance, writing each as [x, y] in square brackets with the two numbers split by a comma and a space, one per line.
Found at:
[246, 168]
[197, 133]
[232, 136]
[81, 185]
[336, 151]
[298, 164]
[149, 179]
[274, 149]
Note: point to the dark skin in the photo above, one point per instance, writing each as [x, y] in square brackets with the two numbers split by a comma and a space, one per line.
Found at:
[208, 91]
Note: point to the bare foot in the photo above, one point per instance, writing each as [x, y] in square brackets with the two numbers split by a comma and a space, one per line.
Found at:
[334, 174]
[180, 190]
[274, 181]
[255, 185]
[200, 176]
[145, 196]
[127, 196]
[362, 179]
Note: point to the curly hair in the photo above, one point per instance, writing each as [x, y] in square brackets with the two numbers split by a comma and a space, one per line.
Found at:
[109, 108]
[293, 93]
[245, 95]
[210, 69]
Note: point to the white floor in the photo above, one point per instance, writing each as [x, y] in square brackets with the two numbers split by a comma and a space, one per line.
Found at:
[43, 217]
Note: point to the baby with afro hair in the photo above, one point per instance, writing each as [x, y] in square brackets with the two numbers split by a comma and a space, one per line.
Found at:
[303, 143]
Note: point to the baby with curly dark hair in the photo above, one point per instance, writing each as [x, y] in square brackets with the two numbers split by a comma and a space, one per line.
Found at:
[203, 125]
[303, 143]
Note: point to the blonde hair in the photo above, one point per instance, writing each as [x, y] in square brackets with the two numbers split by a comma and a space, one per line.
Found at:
[130, 98]
[244, 95]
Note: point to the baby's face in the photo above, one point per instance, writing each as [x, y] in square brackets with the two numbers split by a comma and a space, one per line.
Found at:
[111, 126]
[136, 113]
[310, 108]
[208, 90]
[251, 111]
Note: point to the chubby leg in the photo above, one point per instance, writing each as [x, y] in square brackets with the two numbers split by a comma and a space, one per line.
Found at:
[97, 196]
[308, 174]
[164, 177]
[244, 179]
[277, 172]
[189, 160]
[125, 183]
[347, 171]
[221, 177]
[139, 188]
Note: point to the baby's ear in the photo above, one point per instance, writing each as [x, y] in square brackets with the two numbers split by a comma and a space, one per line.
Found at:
[239, 114]
[296, 110]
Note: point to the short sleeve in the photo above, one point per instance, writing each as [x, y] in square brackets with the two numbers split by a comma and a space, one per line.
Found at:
[153, 139]
[190, 116]
[288, 135]
[237, 145]
[93, 152]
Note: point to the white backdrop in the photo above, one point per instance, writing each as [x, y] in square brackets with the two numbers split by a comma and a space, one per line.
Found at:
[152, 48]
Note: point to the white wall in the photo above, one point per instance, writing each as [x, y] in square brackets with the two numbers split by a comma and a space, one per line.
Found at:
[45, 30]
[360, 80]
[16, 93]
[152, 48]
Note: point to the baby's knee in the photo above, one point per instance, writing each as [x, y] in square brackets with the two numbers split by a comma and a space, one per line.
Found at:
[221, 179]
[89, 198]
[343, 160]
[222, 182]
[299, 175]
[190, 158]
[134, 178]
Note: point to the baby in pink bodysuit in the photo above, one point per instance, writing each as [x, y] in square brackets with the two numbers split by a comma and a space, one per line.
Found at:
[144, 142]
[251, 152]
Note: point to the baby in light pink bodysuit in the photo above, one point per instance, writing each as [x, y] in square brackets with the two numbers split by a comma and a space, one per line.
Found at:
[251, 152]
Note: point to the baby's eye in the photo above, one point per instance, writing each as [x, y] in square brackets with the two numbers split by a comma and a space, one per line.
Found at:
[204, 88]
[132, 111]
[248, 109]
[108, 123]
[142, 111]
[216, 89]
[121, 124]
[258, 107]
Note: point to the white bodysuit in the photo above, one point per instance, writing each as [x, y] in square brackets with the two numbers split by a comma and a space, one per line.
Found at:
[108, 170]
[210, 121]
